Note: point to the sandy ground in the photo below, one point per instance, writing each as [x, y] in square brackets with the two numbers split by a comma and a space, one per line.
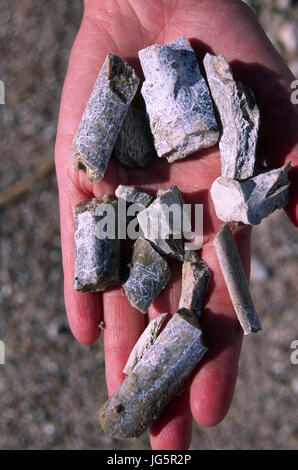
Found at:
[50, 386]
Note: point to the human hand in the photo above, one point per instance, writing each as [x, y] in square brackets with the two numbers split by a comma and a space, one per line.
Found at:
[221, 27]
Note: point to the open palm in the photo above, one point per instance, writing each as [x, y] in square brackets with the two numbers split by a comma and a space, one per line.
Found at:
[125, 26]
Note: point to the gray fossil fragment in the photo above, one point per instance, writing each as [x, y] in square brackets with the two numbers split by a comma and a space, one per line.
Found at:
[195, 282]
[149, 274]
[131, 202]
[177, 100]
[103, 117]
[96, 260]
[133, 196]
[235, 279]
[240, 119]
[251, 200]
[135, 146]
[144, 342]
[162, 222]
[156, 378]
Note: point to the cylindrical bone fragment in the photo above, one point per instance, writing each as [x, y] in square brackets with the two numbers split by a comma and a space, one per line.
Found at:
[144, 342]
[149, 274]
[240, 119]
[103, 117]
[156, 378]
[178, 101]
[235, 278]
[195, 282]
[96, 258]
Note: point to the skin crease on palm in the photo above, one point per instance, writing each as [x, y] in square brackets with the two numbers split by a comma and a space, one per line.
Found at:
[222, 27]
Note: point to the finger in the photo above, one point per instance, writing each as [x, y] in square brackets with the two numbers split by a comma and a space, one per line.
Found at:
[123, 326]
[214, 380]
[83, 309]
[172, 430]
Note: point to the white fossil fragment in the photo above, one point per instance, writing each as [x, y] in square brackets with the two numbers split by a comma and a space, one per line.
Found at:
[133, 196]
[251, 200]
[240, 119]
[162, 222]
[144, 342]
[195, 282]
[235, 279]
[103, 117]
[178, 101]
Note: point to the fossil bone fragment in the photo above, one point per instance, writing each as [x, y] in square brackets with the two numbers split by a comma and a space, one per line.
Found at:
[144, 342]
[162, 222]
[240, 119]
[195, 282]
[156, 378]
[96, 259]
[103, 117]
[132, 196]
[132, 202]
[177, 100]
[135, 146]
[251, 200]
[149, 274]
[235, 279]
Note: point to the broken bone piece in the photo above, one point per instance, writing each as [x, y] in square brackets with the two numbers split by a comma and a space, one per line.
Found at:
[132, 201]
[162, 223]
[251, 200]
[96, 260]
[103, 117]
[195, 282]
[177, 100]
[144, 342]
[240, 119]
[156, 378]
[135, 146]
[235, 279]
[132, 196]
[149, 274]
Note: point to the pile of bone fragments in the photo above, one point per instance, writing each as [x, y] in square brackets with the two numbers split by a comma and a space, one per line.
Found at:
[178, 114]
